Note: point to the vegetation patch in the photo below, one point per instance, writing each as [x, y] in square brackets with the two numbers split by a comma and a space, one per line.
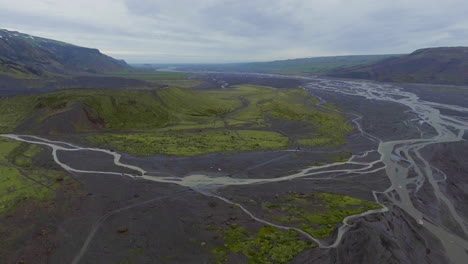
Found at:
[318, 214]
[30, 209]
[151, 76]
[152, 117]
[268, 245]
[328, 127]
[248, 106]
[175, 79]
[20, 179]
[185, 104]
[13, 111]
[192, 143]
[120, 110]
[341, 156]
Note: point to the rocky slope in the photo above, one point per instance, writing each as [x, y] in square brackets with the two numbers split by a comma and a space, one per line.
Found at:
[22, 55]
[445, 65]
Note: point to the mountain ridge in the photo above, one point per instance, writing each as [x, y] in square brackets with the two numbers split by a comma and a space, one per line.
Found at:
[297, 66]
[29, 55]
[440, 65]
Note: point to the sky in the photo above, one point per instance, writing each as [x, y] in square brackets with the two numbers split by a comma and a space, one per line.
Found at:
[210, 31]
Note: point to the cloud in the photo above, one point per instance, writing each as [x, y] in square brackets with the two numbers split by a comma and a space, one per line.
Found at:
[165, 31]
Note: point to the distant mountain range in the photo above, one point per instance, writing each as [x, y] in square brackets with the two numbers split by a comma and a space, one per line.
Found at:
[24, 55]
[446, 65]
[301, 66]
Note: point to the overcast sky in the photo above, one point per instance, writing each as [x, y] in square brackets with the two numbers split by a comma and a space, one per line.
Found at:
[167, 31]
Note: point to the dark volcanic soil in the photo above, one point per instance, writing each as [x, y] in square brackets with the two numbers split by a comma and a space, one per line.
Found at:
[136, 221]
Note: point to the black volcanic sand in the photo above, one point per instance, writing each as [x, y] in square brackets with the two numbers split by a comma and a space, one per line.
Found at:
[171, 227]
[454, 95]
[452, 160]
[392, 237]
[98, 161]
[383, 120]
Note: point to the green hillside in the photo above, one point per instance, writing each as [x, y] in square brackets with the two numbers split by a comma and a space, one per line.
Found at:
[242, 118]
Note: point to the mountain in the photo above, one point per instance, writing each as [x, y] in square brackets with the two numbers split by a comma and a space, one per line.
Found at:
[26, 55]
[445, 65]
[12, 68]
[315, 65]
[301, 66]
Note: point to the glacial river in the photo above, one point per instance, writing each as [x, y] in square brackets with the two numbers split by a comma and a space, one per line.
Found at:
[402, 161]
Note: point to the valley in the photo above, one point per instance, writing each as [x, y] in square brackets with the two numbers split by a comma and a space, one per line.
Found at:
[232, 132]
[300, 200]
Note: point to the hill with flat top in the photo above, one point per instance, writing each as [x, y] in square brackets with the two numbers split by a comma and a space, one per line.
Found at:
[23, 55]
[445, 65]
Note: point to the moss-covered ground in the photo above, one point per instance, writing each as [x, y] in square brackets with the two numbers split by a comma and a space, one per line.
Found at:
[180, 121]
[193, 143]
[318, 214]
[240, 110]
[268, 245]
[21, 180]
[13, 111]
[33, 198]
[177, 79]
[151, 75]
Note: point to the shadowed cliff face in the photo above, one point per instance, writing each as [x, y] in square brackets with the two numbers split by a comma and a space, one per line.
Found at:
[28, 55]
[448, 65]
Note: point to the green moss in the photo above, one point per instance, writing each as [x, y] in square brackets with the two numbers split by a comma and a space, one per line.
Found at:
[254, 97]
[342, 156]
[173, 79]
[193, 143]
[268, 245]
[22, 154]
[245, 105]
[181, 83]
[151, 76]
[335, 201]
[318, 213]
[120, 110]
[7, 146]
[13, 111]
[21, 180]
[317, 142]
[328, 127]
[185, 105]
[175, 109]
